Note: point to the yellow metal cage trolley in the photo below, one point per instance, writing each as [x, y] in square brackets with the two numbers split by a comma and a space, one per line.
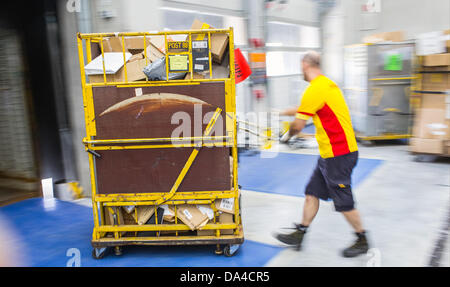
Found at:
[115, 234]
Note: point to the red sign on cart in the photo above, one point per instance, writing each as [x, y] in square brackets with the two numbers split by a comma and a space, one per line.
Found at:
[242, 69]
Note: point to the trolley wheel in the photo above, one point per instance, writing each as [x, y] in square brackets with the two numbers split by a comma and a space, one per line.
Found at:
[218, 250]
[99, 253]
[230, 249]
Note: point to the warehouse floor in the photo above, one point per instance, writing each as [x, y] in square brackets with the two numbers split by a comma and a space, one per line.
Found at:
[404, 205]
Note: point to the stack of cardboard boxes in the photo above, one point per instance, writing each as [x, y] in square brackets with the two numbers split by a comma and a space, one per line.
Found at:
[194, 216]
[154, 47]
[395, 36]
[431, 130]
[219, 44]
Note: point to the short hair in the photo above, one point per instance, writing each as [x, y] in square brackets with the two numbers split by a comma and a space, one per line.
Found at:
[312, 58]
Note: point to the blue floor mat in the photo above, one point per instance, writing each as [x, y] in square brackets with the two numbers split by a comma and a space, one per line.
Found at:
[288, 173]
[48, 234]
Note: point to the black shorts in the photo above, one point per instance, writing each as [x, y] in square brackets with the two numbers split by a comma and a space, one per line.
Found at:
[332, 179]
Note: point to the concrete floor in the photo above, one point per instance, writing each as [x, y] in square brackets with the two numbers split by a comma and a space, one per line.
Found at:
[404, 205]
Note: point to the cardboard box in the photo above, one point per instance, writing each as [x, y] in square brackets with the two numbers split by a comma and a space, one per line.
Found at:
[430, 43]
[226, 218]
[109, 216]
[435, 81]
[431, 124]
[208, 232]
[433, 101]
[143, 214]
[156, 217]
[208, 211]
[446, 147]
[437, 60]
[134, 73]
[395, 36]
[434, 68]
[128, 219]
[129, 209]
[219, 42]
[223, 218]
[190, 215]
[169, 215]
[430, 146]
[136, 57]
[112, 44]
[136, 45]
[153, 53]
[225, 205]
[159, 43]
[447, 42]
[194, 76]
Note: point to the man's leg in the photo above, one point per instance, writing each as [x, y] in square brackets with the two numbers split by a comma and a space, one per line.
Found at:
[315, 189]
[310, 208]
[338, 171]
[354, 219]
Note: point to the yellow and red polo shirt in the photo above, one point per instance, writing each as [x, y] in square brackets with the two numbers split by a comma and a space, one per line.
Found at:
[324, 101]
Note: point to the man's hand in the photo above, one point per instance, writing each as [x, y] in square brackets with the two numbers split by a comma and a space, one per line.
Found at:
[296, 127]
[285, 138]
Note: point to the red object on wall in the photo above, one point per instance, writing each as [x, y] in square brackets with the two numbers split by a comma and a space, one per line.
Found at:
[259, 94]
[256, 42]
[242, 68]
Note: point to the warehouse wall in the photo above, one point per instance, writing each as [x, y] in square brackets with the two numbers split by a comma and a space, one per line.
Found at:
[298, 11]
[285, 90]
[69, 24]
[414, 18]
[347, 24]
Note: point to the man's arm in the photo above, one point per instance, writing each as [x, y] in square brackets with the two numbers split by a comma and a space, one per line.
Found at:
[296, 126]
[289, 112]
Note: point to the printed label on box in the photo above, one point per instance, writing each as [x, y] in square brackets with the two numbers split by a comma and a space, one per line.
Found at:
[198, 67]
[199, 44]
[227, 203]
[187, 214]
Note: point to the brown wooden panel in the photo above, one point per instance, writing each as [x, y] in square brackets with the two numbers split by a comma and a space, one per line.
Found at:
[155, 170]
[133, 124]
